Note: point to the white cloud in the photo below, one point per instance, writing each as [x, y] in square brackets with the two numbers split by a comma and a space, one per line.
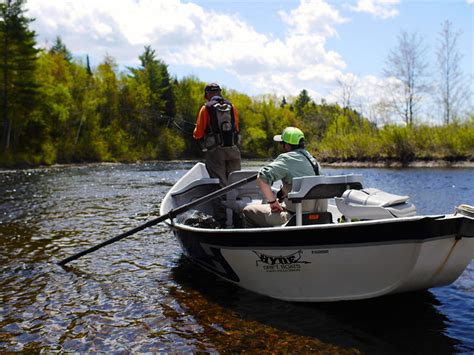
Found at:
[379, 8]
[470, 1]
[188, 35]
[119, 28]
[313, 16]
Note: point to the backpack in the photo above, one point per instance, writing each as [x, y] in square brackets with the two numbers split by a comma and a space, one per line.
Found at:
[222, 123]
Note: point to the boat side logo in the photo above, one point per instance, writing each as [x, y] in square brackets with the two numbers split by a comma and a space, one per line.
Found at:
[280, 263]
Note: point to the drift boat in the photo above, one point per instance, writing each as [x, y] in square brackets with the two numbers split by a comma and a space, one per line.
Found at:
[368, 244]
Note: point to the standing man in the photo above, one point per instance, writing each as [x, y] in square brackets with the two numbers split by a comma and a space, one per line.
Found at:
[295, 161]
[217, 130]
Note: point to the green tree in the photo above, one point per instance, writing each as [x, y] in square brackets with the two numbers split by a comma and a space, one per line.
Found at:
[107, 91]
[18, 57]
[59, 47]
[154, 75]
[54, 107]
[302, 101]
[189, 98]
[156, 107]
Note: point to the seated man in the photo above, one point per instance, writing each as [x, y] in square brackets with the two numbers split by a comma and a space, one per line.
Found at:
[296, 161]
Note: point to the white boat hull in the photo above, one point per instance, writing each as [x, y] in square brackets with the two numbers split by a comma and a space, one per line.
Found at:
[349, 273]
[325, 272]
[334, 261]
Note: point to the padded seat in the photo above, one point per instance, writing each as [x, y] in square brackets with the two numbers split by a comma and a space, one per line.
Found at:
[244, 195]
[317, 188]
[370, 204]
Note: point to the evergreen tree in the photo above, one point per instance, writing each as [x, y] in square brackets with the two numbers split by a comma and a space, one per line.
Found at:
[167, 92]
[153, 78]
[88, 66]
[108, 91]
[60, 48]
[302, 100]
[18, 57]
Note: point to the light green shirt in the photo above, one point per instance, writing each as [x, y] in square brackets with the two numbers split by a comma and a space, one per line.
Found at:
[288, 166]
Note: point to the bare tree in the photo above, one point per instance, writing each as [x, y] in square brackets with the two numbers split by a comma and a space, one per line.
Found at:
[348, 86]
[452, 88]
[406, 63]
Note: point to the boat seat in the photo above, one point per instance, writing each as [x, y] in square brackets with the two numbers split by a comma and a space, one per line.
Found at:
[241, 196]
[317, 187]
[370, 204]
[195, 190]
[320, 187]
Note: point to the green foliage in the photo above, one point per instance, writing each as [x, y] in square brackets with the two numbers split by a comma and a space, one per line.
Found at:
[302, 101]
[18, 88]
[397, 143]
[259, 122]
[189, 98]
[118, 142]
[70, 112]
[59, 48]
[170, 145]
[349, 137]
[456, 141]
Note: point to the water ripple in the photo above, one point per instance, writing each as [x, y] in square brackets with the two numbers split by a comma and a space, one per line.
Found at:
[141, 295]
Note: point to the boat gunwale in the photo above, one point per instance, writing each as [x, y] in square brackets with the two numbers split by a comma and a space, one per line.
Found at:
[315, 227]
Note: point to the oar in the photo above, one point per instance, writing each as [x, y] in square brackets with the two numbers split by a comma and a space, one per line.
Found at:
[171, 214]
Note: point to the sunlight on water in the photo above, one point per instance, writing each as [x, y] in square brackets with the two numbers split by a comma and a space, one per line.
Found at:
[142, 295]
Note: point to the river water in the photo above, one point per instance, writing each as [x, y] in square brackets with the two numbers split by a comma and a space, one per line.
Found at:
[141, 295]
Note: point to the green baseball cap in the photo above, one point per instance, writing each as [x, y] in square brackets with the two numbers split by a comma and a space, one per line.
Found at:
[290, 135]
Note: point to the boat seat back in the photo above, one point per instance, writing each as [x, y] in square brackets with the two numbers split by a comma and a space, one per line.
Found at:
[241, 196]
[319, 187]
[194, 190]
[370, 204]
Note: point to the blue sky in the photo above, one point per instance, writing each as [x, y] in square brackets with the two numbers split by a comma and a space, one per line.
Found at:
[259, 46]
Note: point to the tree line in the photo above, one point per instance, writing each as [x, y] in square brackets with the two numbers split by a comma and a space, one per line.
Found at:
[55, 108]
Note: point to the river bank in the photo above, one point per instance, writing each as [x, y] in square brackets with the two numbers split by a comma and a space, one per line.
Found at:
[399, 164]
[333, 164]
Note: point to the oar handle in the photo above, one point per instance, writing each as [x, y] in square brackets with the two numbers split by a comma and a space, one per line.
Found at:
[171, 214]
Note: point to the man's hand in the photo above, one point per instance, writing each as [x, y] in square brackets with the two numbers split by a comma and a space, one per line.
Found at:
[281, 195]
[268, 194]
[276, 207]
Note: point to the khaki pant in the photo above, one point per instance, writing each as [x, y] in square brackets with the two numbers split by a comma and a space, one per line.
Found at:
[262, 215]
[221, 161]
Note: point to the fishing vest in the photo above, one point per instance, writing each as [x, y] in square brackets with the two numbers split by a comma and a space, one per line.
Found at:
[221, 130]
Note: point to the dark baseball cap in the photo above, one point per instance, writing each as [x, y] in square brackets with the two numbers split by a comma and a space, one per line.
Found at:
[213, 87]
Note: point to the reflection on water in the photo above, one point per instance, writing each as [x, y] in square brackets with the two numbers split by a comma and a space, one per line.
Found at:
[141, 295]
[400, 323]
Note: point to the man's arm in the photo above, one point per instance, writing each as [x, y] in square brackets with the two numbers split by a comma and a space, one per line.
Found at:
[268, 193]
[201, 123]
[236, 119]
